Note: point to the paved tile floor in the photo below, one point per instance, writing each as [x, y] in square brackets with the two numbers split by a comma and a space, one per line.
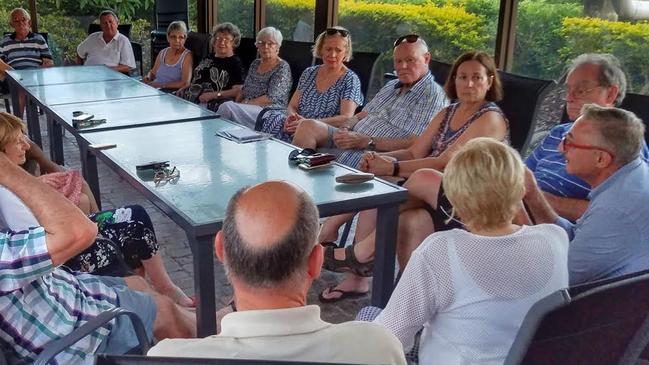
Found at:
[173, 242]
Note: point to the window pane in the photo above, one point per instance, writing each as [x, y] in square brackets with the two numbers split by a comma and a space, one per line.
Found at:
[450, 27]
[550, 33]
[239, 13]
[294, 18]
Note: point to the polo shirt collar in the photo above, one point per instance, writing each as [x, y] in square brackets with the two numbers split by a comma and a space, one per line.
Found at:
[273, 322]
[617, 175]
[29, 35]
[420, 84]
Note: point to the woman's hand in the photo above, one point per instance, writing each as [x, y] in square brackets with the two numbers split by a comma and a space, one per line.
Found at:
[180, 92]
[292, 122]
[207, 96]
[380, 165]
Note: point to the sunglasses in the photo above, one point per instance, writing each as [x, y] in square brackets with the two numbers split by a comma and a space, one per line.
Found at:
[164, 175]
[410, 38]
[332, 31]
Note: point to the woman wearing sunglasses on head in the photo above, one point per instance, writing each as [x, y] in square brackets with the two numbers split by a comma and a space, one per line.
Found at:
[268, 82]
[474, 83]
[329, 92]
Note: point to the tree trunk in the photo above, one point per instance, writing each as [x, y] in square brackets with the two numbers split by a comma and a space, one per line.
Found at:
[600, 9]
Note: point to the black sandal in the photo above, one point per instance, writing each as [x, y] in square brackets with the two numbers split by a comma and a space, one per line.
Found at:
[349, 264]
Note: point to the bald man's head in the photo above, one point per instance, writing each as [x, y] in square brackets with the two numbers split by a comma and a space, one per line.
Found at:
[268, 233]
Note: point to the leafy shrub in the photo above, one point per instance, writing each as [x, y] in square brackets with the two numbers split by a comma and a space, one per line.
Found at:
[627, 41]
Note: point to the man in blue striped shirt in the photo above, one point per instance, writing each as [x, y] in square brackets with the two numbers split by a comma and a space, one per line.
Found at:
[592, 79]
[41, 302]
[392, 120]
[22, 49]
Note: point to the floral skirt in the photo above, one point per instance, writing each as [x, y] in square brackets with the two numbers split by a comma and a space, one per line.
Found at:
[131, 231]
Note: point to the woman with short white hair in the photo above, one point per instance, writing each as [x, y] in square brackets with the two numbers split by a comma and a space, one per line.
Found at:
[268, 82]
[470, 289]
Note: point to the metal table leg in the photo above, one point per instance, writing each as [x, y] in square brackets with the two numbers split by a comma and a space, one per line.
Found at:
[387, 221]
[203, 252]
[55, 136]
[89, 170]
[15, 103]
[33, 126]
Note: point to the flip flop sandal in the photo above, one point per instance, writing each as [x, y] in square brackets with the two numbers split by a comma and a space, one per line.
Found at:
[343, 294]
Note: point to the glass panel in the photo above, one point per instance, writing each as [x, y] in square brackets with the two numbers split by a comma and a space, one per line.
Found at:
[294, 18]
[450, 27]
[239, 13]
[550, 33]
[66, 23]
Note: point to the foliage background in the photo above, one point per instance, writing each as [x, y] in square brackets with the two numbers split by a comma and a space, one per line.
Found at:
[549, 32]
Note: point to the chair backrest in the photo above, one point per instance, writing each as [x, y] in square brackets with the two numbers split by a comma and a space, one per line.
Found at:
[299, 57]
[125, 29]
[638, 104]
[604, 325]
[520, 105]
[363, 65]
[104, 359]
[168, 11]
[247, 52]
[440, 70]
[137, 54]
[199, 45]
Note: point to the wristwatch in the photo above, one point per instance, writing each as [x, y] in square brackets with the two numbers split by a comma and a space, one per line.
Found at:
[371, 145]
[218, 95]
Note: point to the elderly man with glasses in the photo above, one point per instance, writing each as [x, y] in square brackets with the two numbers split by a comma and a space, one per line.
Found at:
[603, 147]
[592, 78]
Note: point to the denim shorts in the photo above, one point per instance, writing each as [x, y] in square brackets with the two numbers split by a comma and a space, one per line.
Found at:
[122, 337]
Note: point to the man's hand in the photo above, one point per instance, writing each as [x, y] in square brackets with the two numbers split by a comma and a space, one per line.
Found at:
[346, 139]
[531, 187]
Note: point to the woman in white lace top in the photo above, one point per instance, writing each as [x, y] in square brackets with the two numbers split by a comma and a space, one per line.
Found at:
[470, 290]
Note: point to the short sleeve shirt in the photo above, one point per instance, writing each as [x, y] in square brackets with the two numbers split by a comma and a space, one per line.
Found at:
[95, 51]
[25, 54]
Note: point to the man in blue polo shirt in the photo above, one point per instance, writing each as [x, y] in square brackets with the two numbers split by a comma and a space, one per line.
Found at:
[592, 78]
[22, 49]
[612, 237]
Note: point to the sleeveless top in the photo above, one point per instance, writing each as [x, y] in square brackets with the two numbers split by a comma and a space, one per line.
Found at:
[446, 136]
[170, 73]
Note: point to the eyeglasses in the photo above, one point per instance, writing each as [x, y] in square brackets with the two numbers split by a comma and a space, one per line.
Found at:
[165, 174]
[332, 31]
[565, 144]
[580, 92]
[266, 44]
[410, 38]
[224, 39]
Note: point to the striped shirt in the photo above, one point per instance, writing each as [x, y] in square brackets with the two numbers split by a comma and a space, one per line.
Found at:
[40, 303]
[28, 53]
[549, 166]
[396, 115]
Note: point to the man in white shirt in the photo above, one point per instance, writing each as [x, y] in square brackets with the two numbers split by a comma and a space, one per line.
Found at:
[108, 47]
[268, 245]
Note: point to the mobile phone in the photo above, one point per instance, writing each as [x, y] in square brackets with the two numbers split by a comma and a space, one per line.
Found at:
[319, 159]
[307, 167]
[153, 165]
[82, 117]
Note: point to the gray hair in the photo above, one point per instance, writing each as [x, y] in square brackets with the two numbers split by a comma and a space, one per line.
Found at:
[25, 13]
[177, 26]
[229, 28]
[619, 129]
[283, 260]
[271, 32]
[610, 71]
[108, 12]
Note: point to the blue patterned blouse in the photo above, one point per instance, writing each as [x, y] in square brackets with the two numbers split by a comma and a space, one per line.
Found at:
[314, 104]
[276, 83]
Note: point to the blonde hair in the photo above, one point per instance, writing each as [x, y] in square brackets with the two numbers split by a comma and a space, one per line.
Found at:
[484, 182]
[9, 125]
[319, 43]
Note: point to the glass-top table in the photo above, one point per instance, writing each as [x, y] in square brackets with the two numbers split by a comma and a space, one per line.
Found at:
[212, 169]
[54, 94]
[20, 80]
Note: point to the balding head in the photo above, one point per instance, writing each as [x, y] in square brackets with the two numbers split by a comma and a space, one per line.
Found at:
[268, 234]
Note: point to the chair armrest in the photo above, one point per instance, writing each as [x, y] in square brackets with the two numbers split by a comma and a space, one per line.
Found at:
[54, 348]
[258, 122]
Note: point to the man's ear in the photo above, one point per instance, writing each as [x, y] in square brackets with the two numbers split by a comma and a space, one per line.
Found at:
[315, 261]
[611, 95]
[218, 246]
[604, 160]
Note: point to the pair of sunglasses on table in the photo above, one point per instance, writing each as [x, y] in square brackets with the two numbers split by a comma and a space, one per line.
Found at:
[162, 173]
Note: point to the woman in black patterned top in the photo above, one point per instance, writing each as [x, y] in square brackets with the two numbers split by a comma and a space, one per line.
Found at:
[268, 82]
[218, 77]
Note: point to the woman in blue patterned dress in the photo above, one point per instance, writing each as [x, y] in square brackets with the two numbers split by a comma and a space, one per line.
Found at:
[329, 92]
[268, 82]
